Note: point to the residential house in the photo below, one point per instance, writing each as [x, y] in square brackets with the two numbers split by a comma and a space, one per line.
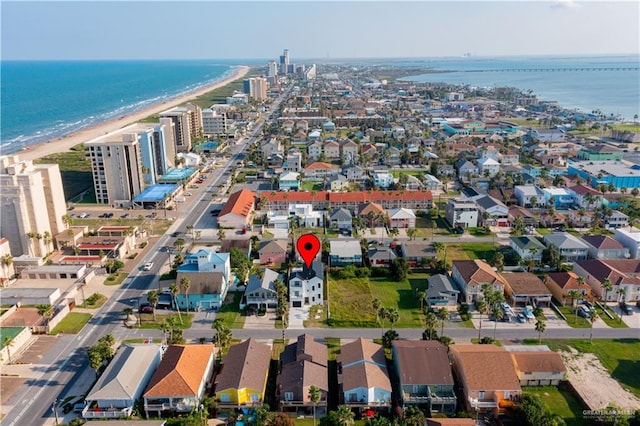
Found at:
[529, 195]
[528, 219]
[561, 283]
[300, 138]
[466, 169]
[122, 382]
[331, 150]
[537, 365]
[630, 238]
[289, 181]
[273, 251]
[559, 198]
[525, 288]
[492, 211]
[306, 216]
[261, 290]
[373, 214]
[413, 183]
[446, 170]
[345, 252]
[180, 382]
[471, 275]
[209, 275]
[271, 146]
[355, 174]
[441, 292]
[383, 179]
[617, 219]
[586, 197]
[302, 364]
[624, 275]
[424, 374]
[381, 255]
[417, 252]
[314, 150]
[320, 170]
[462, 213]
[401, 218]
[488, 378]
[432, 183]
[293, 162]
[275, 160]
[243, 380]
[510, 158]
[604, 247]
[598, 152]
[362, 376]
[488, 167]
[238, 210]
[305, 285]
[528, 247]
[338, 183]
[551, 219]
[341, 219]
[392, 156]
[350, 151]
[571, 248]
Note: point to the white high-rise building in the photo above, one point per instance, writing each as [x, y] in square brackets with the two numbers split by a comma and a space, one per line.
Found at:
[157, 151]
[32, 205]
[272, 69]
[116, 164]
[214, 123]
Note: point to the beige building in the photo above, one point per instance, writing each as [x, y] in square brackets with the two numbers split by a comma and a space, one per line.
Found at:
[32, 203]
[116, 166]
[6, 262]
[214, 122]
[258, 88]
[187, 122]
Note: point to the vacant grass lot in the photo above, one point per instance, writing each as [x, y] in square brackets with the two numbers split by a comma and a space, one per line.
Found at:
[470, 251]
[147, 321]
[72, 323]
[561, 402]
[619, 356]
[230, 313]
[351, 301]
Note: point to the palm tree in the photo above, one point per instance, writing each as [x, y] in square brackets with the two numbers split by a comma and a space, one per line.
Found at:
[221, 234]
[444, 315]
[382, 314]
[152, 298]
[482, 308]
[422, 294]
[593, 317]
[185, 283]
[497, 314]
[607, 286]
[174, 290]
[314, 397]
[393, 315]
[541, 327]
[430, 320]
[622, 293]
[376, 304]
[45, 311]
[345, 416]
[574, 295]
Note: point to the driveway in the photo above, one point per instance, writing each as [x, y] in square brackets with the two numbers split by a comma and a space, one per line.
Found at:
[265, 322]
[297, 316]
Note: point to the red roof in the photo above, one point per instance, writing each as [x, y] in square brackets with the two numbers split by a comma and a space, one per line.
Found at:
[583, 190]
[240, 203]
[319, 165]
[87, 246]
[337, 197]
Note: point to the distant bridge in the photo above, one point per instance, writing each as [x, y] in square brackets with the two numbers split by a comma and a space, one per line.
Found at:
[581, 69]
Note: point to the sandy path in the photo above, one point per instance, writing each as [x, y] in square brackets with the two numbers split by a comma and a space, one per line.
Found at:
[59, 145]
[594, 383]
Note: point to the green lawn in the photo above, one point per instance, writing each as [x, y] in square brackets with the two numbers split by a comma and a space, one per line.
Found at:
[580, 322]
[470, 251]
[333, 347]
[311, 186]
[616, 322]
[72, 323]
[8, 333]
[619, 356]
[313, 322]
[351, 300]
[230, 313]
[116, 279]
[97, 299]
[632, 127]
[544, 231]
[147, 321]
[561, 402]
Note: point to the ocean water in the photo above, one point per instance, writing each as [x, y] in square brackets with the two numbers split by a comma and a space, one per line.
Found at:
[610, 84]
[44, 100]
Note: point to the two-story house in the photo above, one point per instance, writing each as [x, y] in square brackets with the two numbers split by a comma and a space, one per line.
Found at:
[341, 219]
[383, 180]
[314, 149]
[305, 285]
[571, 248]
[605, 247]
[401, 218]
[273, 251]
[261, 290]
[470, 276]
[345, 252]
[537, 365]
[461, 213]
[441, 292]
[525, 288]
[331, 150]
[209, 275]
[289, 181]
[362, 376]
[623, 274]
[528, 247]
[561, 283]
[424, 373]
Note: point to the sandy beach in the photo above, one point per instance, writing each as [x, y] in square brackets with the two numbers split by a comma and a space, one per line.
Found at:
[85, 135]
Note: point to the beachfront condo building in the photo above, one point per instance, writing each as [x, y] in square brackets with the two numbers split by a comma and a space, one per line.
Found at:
[284, 62]
[256, 88]
[214, 123]
[116, 165]
[187, 125]
[156, 149]
[32, 203]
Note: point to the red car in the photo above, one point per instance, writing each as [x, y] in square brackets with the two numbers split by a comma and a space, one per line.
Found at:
[146, 309]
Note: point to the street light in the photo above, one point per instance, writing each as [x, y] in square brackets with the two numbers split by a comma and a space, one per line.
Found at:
[55, 410]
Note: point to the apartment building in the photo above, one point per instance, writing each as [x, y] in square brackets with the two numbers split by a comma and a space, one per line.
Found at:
[188, 123]
[157, 148]
[214, 123]
[116, 166]
[32, 202]
[256, 88]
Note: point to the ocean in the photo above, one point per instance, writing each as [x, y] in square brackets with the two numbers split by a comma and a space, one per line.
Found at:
[44, 100]
[610, 84]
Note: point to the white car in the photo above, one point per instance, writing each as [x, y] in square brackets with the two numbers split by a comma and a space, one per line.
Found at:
[147, 266]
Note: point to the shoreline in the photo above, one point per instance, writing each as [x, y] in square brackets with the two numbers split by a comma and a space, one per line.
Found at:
[66, 142]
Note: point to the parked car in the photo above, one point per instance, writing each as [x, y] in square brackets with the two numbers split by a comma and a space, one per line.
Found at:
[145, 309]
[147, 266]
[84, 215]
[583, 311]
[626, 308]
[67, 408]
[589, 305]
[521, 318]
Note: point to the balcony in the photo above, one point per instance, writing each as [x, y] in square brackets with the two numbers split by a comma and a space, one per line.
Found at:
[157, 407]
[482, 404]
[111, 413]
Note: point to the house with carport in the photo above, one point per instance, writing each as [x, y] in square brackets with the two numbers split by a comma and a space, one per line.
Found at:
[261, 290]
[525, 288]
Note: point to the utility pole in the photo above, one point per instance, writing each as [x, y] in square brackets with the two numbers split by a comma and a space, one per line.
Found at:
[55, 410]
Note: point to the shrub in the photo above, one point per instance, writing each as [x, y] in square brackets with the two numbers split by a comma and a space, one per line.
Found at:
[486, 340]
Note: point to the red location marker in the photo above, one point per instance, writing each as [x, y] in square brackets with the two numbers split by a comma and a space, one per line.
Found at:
[308, 246]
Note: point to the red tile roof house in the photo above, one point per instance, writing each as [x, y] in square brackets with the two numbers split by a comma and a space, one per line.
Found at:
[488, 378]
[471, 275]
[424, 374]
[561, 283]
[525, 288]
[363, 377]
[302, 364]
[180, 382]
[236, 213]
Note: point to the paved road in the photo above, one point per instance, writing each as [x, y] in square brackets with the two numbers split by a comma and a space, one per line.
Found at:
[70, 363]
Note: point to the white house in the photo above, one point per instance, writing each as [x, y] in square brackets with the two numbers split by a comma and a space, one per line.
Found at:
[527, 247]
[307, 217]
[383, 179]
[402, 218]
[488, 166]
[305, 285]
[525, 193]
[315, 150]
[461, 212]
[630, 238]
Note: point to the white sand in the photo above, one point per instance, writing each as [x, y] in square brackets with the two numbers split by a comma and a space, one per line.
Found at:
[68, 141]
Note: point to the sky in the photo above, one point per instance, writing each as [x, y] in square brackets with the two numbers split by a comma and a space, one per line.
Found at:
[51, 30]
